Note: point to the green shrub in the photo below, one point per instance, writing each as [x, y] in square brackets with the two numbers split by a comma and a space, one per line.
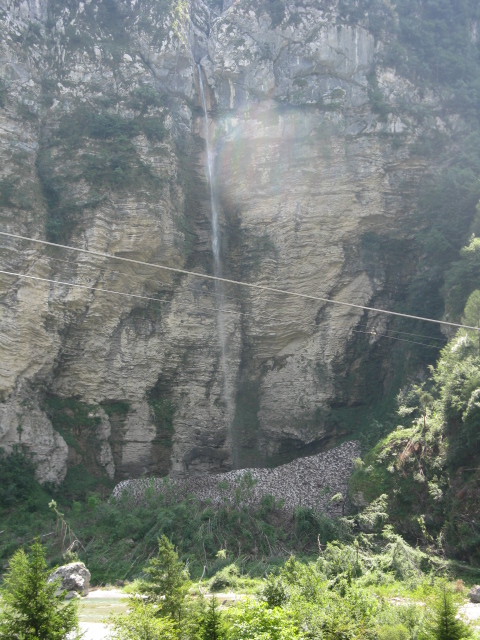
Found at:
[31, 609]
[154, 129]
[144, 97]
[250, 620]
[226, 578]
[393, 632]
[19, 488]
[276, 11]
[378, 103]
[72, 418]
[274, 591]
[167, 582]
[141, 621]
[444, 623]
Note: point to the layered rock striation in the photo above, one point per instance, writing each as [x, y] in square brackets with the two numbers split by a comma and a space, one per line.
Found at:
[102, 142]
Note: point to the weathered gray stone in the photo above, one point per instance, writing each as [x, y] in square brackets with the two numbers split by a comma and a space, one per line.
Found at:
[75, 578]
[474, 593]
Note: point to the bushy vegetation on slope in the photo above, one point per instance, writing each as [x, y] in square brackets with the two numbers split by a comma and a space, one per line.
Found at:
[432, 42]
[429, 465]
[339, 595]
[355, 565]
[120, 535]
[343, 593]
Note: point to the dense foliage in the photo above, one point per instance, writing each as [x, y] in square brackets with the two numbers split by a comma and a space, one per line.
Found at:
[31, 610]
[167, 579]
[344, 593]
[119, 535]
[141, 622]
[429, 465]
[432, 42]
[18, 487]
[337, 596]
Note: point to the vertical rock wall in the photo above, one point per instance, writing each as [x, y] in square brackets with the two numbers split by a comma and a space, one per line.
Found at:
[101, 137]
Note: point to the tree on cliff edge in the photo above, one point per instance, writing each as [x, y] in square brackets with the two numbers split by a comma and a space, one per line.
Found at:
[31, 609]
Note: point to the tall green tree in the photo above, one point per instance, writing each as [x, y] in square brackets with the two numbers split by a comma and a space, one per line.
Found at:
[445, 624]
[31, 608]
[168, 581]
[212, 627]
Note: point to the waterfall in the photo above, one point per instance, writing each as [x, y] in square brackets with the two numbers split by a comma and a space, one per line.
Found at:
[217, 268]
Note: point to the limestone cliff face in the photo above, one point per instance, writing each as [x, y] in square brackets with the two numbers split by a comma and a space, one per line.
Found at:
[102, 146]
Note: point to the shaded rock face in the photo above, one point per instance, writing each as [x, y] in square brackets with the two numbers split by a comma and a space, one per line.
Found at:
[102, 138]
[74, 577]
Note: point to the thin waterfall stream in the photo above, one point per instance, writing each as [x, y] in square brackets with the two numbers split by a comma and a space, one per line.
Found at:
[217, 268]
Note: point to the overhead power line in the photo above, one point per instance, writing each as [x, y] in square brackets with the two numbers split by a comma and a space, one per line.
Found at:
[380, 332]
[384, 335]
[128, 276]
[84, 286]
[126, 295]
[418, 335]
[142, 279]
[258, 287]
[133, 295]
[91, 265]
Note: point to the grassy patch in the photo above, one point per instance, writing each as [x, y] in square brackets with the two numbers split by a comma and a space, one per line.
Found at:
[115, 407]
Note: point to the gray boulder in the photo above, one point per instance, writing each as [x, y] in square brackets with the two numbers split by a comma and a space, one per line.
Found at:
[75, 577]
[474, 593]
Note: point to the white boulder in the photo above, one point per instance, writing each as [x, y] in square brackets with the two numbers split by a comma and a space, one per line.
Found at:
[75, 577]
[474, 593]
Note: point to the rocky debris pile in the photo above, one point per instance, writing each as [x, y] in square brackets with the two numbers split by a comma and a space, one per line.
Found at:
[318, 482]
[474, 594]
[75, 579]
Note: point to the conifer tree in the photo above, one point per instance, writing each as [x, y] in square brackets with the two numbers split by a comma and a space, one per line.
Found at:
[212, 622]
[446, 626]
[168, 583]
[31, 608]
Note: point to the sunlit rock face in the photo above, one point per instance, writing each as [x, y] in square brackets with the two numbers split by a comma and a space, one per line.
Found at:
[102, 141]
